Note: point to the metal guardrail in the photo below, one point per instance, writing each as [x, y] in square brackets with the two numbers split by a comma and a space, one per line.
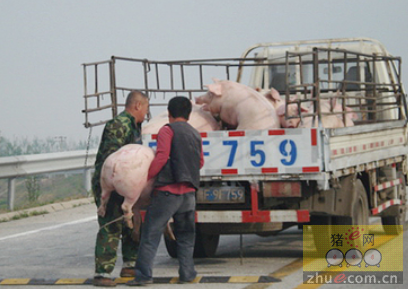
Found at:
[28, 165]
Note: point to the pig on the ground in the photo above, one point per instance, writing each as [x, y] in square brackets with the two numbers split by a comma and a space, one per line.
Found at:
[199, 119]
[239, 106]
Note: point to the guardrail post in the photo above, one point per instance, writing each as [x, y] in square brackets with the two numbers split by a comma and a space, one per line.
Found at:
[11, 193]
[87, 180]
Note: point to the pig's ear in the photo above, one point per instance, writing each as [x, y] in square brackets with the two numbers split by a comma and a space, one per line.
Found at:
[215, 89]
[280, 110]
[215, 79]
[273, 95]
[352, 114]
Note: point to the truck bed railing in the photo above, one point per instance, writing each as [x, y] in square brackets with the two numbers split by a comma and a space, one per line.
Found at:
[106, 81]
[305, 78]
[349, 78]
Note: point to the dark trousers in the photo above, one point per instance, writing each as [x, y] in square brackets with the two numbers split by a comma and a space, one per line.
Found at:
[165, 205]
[108, 238]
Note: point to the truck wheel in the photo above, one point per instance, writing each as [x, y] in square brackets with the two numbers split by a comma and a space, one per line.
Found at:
[171, 247]
[205, 244]
[360, 211]
[321, 231]
[399, 218]
[359, 208]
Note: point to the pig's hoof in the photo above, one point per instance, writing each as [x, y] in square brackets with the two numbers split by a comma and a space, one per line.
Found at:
[128, 220]
[101, 211]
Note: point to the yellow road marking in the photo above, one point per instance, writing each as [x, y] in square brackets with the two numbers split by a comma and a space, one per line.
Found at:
[70, 281]
[288, 269]
[15, 281]
[175, 280]
[123, 280]
[243, 279]
[279, 274]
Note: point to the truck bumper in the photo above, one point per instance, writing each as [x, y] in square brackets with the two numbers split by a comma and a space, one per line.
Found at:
[276, 216]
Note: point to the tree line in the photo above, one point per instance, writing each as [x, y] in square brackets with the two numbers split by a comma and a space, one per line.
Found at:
[33, 184]
[26, 146]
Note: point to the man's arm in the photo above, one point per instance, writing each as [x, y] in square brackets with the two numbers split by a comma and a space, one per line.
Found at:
[164, 139]
[202, 156]
[114, 137]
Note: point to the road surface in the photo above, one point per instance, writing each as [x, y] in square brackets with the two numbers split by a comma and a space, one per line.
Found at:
[59, 247]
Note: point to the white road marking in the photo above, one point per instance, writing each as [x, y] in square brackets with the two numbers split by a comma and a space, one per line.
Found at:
[49, 228]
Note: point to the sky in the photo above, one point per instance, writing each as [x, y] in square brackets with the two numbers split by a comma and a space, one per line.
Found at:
[44, 42]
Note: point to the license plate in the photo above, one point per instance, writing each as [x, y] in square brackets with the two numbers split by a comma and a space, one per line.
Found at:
[221, 195]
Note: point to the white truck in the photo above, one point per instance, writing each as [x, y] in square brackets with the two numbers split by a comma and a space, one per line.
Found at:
[264, 181]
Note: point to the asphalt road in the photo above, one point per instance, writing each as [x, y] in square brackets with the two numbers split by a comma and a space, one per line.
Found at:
[60, 245]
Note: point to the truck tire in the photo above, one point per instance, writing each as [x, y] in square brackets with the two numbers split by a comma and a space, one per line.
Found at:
[399, 218]
[321, 231]
[359, 212]
[171, 245]
[205, 245]
[359, 208]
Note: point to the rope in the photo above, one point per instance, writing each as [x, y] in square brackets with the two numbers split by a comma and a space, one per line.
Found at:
[111, 222]
[117, 220]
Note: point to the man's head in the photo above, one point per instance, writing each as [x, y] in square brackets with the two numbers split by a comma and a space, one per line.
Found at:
[179, 107]
[137, 105]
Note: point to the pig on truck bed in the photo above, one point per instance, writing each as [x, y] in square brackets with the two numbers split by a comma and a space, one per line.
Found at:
[262, 181]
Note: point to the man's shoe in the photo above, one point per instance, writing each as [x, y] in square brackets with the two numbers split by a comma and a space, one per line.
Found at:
[127, 272]
[135, 282]
[103, 282]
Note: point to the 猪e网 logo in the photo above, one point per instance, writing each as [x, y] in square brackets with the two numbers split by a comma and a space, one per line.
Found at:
[355, 254]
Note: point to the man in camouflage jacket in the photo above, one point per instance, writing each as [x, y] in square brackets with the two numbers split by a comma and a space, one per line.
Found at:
[122, 130]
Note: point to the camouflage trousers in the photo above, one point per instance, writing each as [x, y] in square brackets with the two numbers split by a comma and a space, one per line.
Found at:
[107, 239]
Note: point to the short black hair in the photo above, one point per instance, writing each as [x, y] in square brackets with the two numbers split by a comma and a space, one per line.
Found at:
[180, 106]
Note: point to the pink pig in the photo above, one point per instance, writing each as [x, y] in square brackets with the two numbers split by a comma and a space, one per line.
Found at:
[275, 99]
[293, 119]
[201, 120]
[125, 171]
[330, 121]
[239, 106]
[350, 115]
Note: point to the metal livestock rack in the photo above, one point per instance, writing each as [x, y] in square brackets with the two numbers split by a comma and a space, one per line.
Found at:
[106, 81]
[161, 80]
